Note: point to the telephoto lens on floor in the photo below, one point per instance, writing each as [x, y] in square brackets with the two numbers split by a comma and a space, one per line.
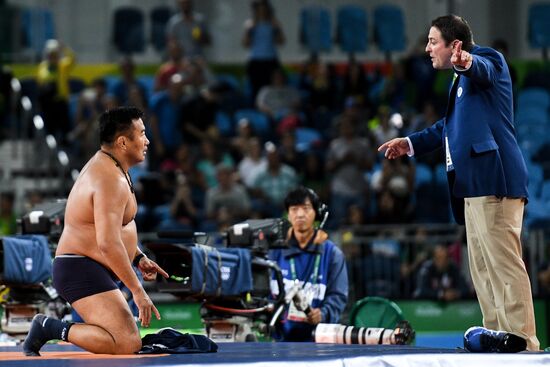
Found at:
[342, 334]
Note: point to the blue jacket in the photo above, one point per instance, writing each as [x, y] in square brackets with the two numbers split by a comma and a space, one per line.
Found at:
[479, 126]
[330, 287]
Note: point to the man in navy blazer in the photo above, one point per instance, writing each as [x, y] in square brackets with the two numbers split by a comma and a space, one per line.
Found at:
[486, 172]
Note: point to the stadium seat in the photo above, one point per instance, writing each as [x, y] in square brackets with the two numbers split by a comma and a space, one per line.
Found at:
[351, 30]
[375, 312]
[534, 97]
[129, 30]
[224, 124]
[159, 16]
[389, 28]
[424, 174]
[38, 26]
[536, 177]
[315, 29]
[539, 25]
[148, 82]
[230, 80]
[306, 137]
[259, 120]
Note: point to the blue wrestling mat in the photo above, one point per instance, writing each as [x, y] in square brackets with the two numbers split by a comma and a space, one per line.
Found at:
[277, 354]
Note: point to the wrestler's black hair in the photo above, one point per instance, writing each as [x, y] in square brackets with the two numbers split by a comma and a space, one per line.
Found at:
[299, 195]
[453, 27]
[116, 121]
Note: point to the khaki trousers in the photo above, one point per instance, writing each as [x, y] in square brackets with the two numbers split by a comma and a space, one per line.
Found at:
[493, 229]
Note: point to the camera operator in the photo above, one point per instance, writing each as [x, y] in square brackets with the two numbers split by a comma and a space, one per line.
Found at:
[316, 262]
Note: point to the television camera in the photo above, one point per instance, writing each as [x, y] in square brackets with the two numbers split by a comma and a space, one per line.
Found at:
[26, 266]
[232, 280]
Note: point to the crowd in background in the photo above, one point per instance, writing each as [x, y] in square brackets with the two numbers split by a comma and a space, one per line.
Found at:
[225, 148]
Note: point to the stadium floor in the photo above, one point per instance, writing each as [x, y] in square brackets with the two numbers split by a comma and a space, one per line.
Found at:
[276, 354]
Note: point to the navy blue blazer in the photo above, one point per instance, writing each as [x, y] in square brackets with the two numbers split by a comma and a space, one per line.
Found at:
[479, 126]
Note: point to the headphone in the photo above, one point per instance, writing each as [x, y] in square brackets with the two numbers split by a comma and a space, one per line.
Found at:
[321, 209]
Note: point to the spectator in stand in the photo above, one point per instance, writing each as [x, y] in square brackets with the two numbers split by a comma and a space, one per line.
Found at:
[290, 155]
[210, 156]
[183, 214]
[278, 99]
[427, 118]
[184, 164]
[381, 126]
[394, 92]
[176, 64]
[348, 158]
[262, 35]
[53, 88]
[123, 87]
[91, 103]
[253, 163]
[393, 186]
[166, 132]
[198, 115]
[228, 195]
[439, 278]
[355, 82]
[314, 174]
[8, 218]
[273, 184]
[197, 77]
[318, 79]
[356, 113]
[240, 142]
[419, 70]
[189, 29]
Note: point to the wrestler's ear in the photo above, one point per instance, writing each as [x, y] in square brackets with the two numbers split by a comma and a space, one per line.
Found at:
[121, 141]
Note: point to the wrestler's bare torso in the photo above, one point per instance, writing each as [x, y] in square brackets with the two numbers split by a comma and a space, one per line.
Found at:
[100, 176]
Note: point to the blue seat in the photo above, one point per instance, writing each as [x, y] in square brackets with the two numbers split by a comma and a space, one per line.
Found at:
[423, 174]
[315, 28]
[536, 178]
[535, 132]
[229, 79]
[539, 25]
[389, 28]
[38, 26]
[224, 123]
[259, 120]
[351, 28]
[537, 213]
[129, 30]
[159, 16]
[148, 83]
[545, 191]
[532, 115]
[306, 137]
[533, 97]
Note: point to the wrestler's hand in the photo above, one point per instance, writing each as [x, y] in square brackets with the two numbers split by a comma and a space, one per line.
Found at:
[314, 316]
[149, 269]
[395, 148]
[145, 307]
[459, 57]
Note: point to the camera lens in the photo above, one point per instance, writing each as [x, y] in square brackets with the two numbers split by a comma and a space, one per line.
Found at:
[342, 334]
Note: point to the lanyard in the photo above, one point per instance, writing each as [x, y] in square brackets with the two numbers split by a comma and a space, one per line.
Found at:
[313, 278]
